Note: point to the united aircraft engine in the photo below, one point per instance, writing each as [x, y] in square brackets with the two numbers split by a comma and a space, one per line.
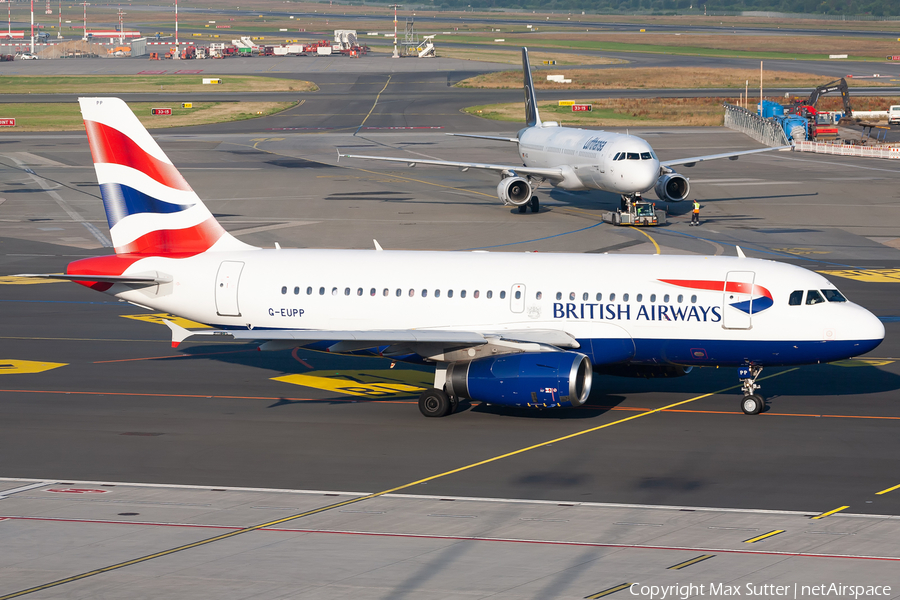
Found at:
[672, 187]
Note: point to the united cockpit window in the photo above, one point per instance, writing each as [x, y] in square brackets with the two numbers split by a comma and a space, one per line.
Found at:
[796, 298]
[834, 296]
[814, 297]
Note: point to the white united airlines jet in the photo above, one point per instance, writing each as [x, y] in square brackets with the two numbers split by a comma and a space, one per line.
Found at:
[520, 329]
[576, 159]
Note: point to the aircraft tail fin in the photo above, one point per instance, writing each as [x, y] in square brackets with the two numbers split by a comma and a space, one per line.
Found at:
[150, 207]
[532, 118]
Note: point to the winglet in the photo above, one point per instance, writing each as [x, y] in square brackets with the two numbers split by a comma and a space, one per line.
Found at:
[378, 246]
[740, 252]
[179, 333]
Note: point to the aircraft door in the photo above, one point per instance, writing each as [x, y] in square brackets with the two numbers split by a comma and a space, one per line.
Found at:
[227, 288]
[517, 298]
[737, 306]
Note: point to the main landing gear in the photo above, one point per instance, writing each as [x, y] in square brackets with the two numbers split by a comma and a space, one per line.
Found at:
[753, 403]
[533, 203]
[437, 403]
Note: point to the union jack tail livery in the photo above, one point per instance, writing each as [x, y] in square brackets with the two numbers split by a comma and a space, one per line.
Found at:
[150, 207]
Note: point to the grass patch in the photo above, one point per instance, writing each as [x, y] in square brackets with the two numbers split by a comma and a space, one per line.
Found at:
[67, 116]
[724, 46]
[657, 78]
[127, 84]
[514, 57]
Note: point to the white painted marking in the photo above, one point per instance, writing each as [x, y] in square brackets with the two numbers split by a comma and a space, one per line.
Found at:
[742, 184]
[24, 488]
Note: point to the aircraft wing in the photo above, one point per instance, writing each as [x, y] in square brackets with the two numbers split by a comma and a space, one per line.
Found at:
[552, 173]
[486, 137]
[347, 339]
[731, 155]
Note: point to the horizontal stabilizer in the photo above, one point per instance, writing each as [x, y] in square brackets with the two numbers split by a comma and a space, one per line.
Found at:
[147, 279]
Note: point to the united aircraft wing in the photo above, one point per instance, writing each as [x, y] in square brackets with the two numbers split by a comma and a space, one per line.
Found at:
[554, 173]
[690, 162]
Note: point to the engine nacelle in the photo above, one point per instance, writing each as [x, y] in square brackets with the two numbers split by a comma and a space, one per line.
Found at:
[536, 379]
[672, 187]
[514, 190]
[643, 371]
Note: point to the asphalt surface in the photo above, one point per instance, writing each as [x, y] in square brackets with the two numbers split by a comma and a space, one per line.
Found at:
[121, 406]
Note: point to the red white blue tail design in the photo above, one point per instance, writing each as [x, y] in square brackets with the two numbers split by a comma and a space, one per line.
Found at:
[150, 207]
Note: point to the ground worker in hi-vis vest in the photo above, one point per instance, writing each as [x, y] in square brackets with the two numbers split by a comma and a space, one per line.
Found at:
[695, 215]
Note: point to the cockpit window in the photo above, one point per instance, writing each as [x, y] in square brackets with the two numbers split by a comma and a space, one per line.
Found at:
[796, 298]
[653, 154]
[634, 156]
[833, 296]
[814, 297]
[621, 156]
[645, 156]
[616, 157]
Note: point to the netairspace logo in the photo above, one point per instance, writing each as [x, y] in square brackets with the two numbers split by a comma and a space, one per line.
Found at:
[767, 590]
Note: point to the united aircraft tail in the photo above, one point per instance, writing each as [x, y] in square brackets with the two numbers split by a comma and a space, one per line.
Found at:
[150, 207]
[532, 118]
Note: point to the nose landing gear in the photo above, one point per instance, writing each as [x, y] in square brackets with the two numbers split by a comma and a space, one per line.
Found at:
[752, 403]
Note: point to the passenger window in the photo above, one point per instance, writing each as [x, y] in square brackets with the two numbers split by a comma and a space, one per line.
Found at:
[412, 292]
[334, 291]
[612, 297]
[321, 291]
[372, 292]
[538, 296]
[502, 295]
[666, 298]
[633, 156]
[559, 295]
[297, 291]
[399, 292]
[359, 292]
[640, 297]
[624, 297]
[437, 293]
[449, 293]
[796, 298]
[309, 291]
[814, 297]
[645, 156]
[476, 294]
[462, 293]
[571, 295]
[652, 297]
[680, 298]
[424, 293]
[694, 299]
[284, 289]
[518, 295]
[386, 292]
[490, 294]
[585, 296]
[599, 296]
[346, 291]
[834, 296]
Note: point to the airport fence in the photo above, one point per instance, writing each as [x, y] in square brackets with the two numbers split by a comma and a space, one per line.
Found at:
[762, 130]
[849, 150]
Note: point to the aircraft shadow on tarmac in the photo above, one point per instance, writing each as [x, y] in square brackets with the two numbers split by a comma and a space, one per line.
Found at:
[853, 378]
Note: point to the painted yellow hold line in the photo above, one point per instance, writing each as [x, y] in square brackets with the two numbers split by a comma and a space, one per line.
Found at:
[608, 591]
[830, 512]
[655, 245]
[763, 536]
[890, 489]
[693, 561]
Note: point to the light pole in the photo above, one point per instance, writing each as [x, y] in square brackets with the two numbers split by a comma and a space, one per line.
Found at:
[396, 54]
[32, 26]
[84, 31]
[176, 24]
[59, 31]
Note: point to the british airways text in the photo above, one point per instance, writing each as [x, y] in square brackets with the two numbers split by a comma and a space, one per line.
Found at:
[624, 312]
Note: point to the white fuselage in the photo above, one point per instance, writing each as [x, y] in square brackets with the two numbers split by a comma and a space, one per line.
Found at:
[587, 158]
[663, 309]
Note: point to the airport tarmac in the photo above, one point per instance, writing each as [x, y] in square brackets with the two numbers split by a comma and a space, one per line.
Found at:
[487, 502]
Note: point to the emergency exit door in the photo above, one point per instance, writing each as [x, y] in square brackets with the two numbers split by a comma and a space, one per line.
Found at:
[517, 298]
[737, 307]
[227, 280]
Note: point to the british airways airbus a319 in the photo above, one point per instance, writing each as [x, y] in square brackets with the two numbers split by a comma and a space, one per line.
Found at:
[576, 159]
[515, 329]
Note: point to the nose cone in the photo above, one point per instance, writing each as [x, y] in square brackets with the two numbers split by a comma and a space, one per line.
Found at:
[866, 330]
[649, 175]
